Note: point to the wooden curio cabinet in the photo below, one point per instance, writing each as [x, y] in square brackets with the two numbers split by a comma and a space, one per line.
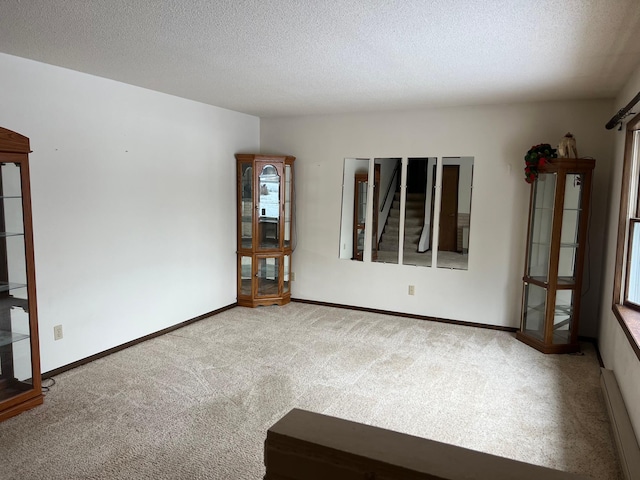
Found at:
[265, 229]
[20, 387]
[556, 241]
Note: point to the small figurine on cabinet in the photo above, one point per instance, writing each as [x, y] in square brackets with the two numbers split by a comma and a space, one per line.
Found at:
[567, 147]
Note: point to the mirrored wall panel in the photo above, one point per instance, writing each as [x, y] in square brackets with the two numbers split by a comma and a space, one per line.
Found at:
[387, 215]
[403, 207]
[455, 212]
[354, 208]
[418, 211]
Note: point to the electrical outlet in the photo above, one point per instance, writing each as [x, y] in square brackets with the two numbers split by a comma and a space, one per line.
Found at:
[57, 332]
[293, 276]
[412, 290]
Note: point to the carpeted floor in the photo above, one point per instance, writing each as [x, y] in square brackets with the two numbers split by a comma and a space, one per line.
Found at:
[196, 403]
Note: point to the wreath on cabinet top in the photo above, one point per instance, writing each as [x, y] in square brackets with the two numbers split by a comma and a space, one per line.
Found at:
[536, 158]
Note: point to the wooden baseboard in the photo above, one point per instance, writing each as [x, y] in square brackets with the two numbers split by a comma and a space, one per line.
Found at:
[626, 442]
[407, 315]
[83, 361]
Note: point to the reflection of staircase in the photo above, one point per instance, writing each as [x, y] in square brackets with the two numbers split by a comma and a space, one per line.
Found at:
[414, 221]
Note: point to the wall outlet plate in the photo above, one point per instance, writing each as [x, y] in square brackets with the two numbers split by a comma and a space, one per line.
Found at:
[412, 290]
[57, 332]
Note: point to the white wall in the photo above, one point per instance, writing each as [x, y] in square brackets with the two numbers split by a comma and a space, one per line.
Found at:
[133, 204]
[497, 137]
[615, 349]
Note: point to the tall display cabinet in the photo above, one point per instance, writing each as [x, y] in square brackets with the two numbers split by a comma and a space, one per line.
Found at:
[20, 387]
[265, 229]
[557, 235]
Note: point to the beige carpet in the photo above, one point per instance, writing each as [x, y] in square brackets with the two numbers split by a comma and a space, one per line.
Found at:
[196, 403]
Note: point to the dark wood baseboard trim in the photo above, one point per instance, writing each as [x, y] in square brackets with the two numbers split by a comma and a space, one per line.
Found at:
[408, 315]
[594, 342]
[164, 331]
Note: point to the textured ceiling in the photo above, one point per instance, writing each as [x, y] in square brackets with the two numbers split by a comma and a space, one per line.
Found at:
[282, 57]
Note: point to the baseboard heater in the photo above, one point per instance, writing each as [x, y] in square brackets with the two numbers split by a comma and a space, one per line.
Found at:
[626, 442]
[304, 445]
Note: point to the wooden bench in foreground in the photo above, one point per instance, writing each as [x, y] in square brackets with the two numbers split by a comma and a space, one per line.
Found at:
[309, 446]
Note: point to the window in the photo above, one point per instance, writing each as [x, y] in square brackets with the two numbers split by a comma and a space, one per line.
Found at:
[626, 290]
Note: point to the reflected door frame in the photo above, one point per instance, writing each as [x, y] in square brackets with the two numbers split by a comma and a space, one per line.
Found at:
[363, 178]
[447, 221]
[359, 217]
[448, 236]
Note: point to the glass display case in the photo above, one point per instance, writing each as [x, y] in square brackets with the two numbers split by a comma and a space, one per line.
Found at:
[265, 229]
[556, 240]
[20, 383]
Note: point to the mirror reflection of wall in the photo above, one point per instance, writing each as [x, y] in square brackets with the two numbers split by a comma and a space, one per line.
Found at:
[403, 208]
[455, 212]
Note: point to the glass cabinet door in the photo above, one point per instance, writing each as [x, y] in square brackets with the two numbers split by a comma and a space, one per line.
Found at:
[268, 207]
[286, 274]
[534, 311]
[246, 275]
[563, 317]
[16, 360]
[544, 190]
[287, 205]
[246, 205]
[268, 276]
[570, 229]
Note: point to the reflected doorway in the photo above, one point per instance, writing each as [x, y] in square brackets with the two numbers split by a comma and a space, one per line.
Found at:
[448, 236]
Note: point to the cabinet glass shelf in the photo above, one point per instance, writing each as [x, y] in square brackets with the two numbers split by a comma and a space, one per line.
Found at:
[562, 245]
[6, 286]
[7, 338]
[544, 281]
